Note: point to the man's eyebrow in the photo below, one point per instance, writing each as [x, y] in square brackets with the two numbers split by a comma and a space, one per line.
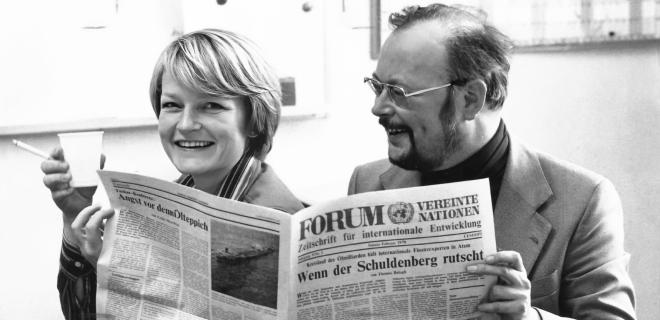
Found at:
[394, 82]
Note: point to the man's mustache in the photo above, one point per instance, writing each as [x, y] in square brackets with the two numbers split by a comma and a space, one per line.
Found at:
[388, 123]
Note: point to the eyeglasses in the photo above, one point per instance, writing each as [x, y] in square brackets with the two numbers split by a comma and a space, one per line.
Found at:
[396, 93]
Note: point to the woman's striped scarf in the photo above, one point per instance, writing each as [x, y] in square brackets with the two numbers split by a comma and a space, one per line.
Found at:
[237, 183]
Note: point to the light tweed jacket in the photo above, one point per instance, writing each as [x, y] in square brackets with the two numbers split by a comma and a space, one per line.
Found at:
[566, 223]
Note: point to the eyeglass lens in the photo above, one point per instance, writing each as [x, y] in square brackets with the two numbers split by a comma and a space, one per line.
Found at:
[395, 93]
[377, 87]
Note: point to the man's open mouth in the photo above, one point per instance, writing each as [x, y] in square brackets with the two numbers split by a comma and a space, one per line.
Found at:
[391, 128]
[398, 130]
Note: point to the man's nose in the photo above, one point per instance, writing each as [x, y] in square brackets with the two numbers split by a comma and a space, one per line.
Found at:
[382, 105]
[188, 120]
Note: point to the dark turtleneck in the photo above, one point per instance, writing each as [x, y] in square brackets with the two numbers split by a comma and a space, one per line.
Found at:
[488, 162]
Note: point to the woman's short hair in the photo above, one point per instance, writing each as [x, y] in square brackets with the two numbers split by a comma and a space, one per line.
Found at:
[224, 64]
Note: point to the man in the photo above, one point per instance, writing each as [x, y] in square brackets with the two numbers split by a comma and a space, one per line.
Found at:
[440, 84]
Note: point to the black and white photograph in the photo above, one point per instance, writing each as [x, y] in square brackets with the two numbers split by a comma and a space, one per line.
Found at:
[244, 263]
[289, 104]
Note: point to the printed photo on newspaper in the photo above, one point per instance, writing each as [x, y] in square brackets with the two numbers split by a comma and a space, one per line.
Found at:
[173, 252]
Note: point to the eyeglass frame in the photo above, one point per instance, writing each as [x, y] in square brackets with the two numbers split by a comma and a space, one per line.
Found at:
[405, 95]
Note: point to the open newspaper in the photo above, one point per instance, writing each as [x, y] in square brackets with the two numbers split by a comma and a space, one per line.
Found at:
[172, 252]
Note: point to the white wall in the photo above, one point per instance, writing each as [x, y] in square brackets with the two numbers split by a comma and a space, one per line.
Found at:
[599, 108]
[56, 68]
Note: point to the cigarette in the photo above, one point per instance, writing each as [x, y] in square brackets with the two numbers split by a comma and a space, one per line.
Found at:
[30, 149]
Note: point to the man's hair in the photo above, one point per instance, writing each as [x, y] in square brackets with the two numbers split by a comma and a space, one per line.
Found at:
[476, 49]
[224, 64]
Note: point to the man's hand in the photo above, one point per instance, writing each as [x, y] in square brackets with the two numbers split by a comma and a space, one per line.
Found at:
[88, 228]
[509, 298]
[58, 178]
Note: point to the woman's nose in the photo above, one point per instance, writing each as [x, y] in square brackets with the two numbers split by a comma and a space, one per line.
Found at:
[188, 120]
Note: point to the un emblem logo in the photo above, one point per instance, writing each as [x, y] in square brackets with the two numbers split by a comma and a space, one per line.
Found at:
[400, 212]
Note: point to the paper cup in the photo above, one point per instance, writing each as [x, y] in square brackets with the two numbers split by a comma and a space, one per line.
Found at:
[82, 150]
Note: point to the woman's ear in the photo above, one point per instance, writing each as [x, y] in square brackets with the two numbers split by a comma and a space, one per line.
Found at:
[474, 96]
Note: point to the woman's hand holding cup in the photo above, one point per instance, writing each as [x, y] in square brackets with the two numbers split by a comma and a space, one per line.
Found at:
[57, 179]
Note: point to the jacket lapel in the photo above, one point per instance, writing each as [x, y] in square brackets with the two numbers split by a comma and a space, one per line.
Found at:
[518, 225]
[396, 178]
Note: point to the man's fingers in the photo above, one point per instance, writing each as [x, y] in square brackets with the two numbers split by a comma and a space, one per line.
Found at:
[510, 296]
[487, 269]
[507, 293]
[489, 316]
[507, 275]
[507, 258]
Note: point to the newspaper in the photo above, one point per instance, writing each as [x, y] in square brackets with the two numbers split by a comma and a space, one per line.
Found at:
[172, 252]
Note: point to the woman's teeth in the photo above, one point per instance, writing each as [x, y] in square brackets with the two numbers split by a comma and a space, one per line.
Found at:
[193, 144]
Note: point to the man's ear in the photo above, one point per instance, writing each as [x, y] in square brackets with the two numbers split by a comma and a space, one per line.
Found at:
[474, 96]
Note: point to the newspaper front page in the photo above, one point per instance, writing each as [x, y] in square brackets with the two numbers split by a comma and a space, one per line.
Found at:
[396, 254]
[172, 252]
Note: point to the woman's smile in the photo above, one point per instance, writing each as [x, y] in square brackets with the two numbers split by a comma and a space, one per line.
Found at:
[193, 144]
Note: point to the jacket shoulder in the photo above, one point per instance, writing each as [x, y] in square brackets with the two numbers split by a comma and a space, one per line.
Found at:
[564, 175]
[579, 196]
[366, 177]
[269, 191]
[375, 167]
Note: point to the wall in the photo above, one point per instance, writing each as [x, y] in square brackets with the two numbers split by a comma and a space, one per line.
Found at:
[81, 68]
[598, 107]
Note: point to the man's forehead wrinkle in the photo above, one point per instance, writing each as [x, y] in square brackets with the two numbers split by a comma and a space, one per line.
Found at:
[391, 65]
[396, 76]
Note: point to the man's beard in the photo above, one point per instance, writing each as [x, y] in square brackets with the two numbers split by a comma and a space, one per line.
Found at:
[428, 160]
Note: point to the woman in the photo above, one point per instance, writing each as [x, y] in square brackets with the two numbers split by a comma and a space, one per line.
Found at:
[218, 107]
